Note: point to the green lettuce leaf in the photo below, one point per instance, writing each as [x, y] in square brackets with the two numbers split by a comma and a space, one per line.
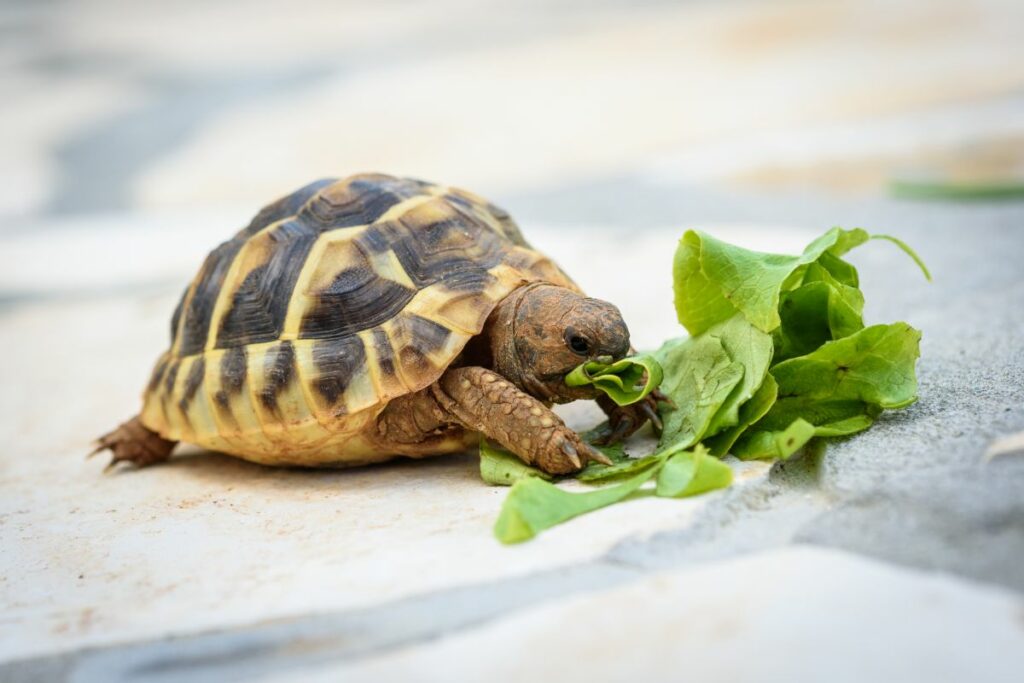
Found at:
[957, 191]
[499, 467]
[713, 280]
[533, 505]
[874, 365]
[837, 390]
[829, 417]
[688, 473]
[709, 377]
[751, 411]
[753, 349]
[762, 444]
[821, 309]
[699, 377]
[595, 472]
[625, 381]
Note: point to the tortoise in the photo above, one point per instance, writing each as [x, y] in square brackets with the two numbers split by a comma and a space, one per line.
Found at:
[361, 319]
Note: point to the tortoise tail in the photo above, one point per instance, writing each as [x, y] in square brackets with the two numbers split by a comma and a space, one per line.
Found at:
[135, 443]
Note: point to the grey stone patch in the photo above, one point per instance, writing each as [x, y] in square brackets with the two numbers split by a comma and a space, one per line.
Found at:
[632, 202]
[254, 652]
[12, 301]
[986, 545]
[97, 165]
[741, 521]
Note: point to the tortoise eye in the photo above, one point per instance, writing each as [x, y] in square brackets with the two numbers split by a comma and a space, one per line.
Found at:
[577, 342]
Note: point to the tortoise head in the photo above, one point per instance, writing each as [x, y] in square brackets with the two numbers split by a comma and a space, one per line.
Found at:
[545, 331]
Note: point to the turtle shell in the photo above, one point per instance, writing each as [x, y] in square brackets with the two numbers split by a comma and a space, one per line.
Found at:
[333, 301]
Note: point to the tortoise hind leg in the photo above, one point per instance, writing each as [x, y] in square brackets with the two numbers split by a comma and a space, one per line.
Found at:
[133, 442]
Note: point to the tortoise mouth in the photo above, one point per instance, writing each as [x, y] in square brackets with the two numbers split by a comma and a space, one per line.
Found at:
[551, 386]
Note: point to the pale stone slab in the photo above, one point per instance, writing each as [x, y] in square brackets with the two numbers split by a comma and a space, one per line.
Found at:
[614, 93]
[797, 614]
[208, 542]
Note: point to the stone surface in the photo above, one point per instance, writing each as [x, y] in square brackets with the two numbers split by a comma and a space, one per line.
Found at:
[795, 614]
[111, 107]
[136, 138]
[248, 543]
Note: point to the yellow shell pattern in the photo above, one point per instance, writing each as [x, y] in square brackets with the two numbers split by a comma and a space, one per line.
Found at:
[336, 299]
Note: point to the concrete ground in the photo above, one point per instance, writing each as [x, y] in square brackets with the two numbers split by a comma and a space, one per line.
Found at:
[134, 138]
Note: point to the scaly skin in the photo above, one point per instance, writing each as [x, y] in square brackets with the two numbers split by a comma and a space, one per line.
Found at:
[625, 420]
[133, 442]
[485, 402]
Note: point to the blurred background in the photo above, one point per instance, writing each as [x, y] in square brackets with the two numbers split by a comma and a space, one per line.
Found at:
[112, 106]
[136, 135]
[149, 131]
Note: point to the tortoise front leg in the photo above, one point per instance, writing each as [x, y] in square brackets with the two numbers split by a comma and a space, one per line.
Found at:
[624, 420]
[485, 402]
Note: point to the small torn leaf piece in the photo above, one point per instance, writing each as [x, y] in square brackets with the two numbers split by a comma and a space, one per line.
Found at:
[759, 444]
[534, 505]
[596, 472]
[499, 467]
[625, 381]
[688, 473]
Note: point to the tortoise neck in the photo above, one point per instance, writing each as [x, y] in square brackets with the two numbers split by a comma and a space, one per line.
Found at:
[506, 358]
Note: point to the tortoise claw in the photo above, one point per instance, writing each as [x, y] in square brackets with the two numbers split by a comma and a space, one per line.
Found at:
[618, 431]
[596, 455]
[572, 454]
[651, 414]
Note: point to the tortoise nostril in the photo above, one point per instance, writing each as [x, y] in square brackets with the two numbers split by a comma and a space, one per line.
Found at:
[618, 349]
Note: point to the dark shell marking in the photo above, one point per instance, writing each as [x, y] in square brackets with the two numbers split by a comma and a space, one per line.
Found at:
[279, 368]
[199, 309]
[158, 374]
[194, 379]
[260, 304]
[233, 370]
[385, 354]
[357, 299]
[285, 206]
[336, 362]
